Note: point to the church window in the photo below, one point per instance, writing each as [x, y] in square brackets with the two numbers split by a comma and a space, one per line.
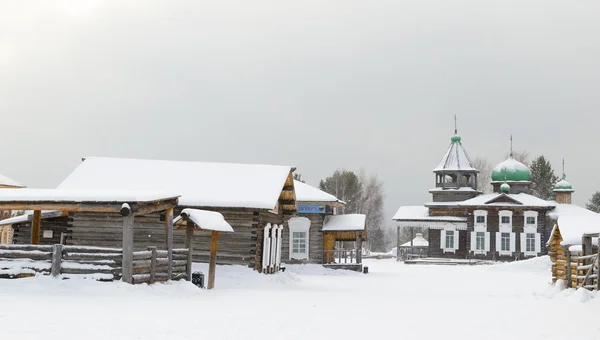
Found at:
[530, 245]
[505, 242]
[480, 241]
[449, 239]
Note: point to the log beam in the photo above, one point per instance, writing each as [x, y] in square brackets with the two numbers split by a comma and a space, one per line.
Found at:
[169, 230]
[36, 225]
[189, 244]
[127, 247]
[213, 260]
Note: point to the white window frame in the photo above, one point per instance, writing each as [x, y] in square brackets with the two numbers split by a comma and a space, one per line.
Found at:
[533, 214]
[480, 229]
[530, 229]
[480, 213]
[299, 225]
[456, 240]
[505, 228]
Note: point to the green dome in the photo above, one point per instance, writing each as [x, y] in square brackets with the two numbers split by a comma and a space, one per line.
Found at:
[563, 185]
[514, 171]
[455, 139]
[505, 188]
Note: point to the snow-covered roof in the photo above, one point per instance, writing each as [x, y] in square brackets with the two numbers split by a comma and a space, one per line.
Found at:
[569, 209]
[28, 216]
[81, 196]
[455, 158]
[521, 199]
[5, 181]
[421, 213]
[208, 220]
[349, 222]
[200, 184]
[308, 193]
[572, 227]
[418, 241]
[467, 189]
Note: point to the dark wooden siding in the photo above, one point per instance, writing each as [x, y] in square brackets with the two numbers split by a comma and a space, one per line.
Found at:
[435, 242]
[58, 225]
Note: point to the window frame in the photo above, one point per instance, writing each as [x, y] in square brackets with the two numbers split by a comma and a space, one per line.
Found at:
[452, 237]
[480, 241]
[505, 236]
[299, 225]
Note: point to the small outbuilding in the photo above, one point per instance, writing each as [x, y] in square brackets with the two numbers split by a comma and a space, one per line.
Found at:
[337, 231]
[417, 247]
[566, 246]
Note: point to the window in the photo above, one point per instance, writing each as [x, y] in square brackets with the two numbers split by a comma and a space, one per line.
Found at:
[449, 239]
[505, 242]
[480, 241]
[480, 219]
[299, 238]
[505, 220]
[530, 243]
[530, 220]
[298, 242]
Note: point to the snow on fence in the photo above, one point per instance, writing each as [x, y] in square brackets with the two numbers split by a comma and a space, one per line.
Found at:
[343, 256]
[99, 263]
[272, 238]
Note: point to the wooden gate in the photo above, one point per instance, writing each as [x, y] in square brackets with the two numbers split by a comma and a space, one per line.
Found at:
[271, 259]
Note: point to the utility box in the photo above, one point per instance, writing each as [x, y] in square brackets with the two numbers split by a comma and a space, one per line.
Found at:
[198, 279]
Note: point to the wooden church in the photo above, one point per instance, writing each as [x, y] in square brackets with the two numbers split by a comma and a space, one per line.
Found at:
[506, 225]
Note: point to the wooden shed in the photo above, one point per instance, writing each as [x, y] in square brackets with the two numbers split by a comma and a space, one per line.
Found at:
[339, 229]
[566, 247]
[251, 197]
[125, 204]
[303, 234]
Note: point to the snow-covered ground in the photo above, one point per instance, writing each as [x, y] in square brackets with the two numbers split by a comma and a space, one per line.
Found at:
[504, 301]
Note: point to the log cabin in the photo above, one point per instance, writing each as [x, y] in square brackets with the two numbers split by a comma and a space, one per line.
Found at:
[506, 225]
[251, 197]
[565, 244]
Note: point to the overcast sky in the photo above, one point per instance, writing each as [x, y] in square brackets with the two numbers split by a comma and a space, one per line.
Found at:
[314, 84]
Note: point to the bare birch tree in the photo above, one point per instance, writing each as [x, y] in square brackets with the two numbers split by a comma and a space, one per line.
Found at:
[484, 178]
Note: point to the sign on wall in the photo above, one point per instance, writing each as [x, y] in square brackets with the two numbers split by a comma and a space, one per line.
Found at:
[312, 208]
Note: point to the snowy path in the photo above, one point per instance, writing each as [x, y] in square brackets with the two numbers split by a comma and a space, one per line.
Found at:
[308, 302]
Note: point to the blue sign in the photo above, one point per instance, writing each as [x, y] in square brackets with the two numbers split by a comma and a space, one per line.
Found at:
[312, 208]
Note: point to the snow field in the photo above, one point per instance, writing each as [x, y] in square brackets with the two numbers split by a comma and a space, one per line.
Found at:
[503, 301]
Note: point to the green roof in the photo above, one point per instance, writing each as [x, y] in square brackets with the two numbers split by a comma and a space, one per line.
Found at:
[505, 188]
[511, 170]
[563, 185]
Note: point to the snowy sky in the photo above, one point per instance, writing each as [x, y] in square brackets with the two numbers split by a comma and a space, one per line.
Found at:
[315, 84]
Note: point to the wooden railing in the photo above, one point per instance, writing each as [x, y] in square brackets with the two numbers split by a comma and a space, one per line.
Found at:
[342, 256]
[99, 263]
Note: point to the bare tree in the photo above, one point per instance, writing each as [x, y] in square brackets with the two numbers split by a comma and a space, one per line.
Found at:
[484, 178]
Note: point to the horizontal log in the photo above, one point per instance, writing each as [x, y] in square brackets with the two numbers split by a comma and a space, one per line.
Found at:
[92, 257]
[25, 247]
[174, 262]
[90, 271]
[141, 278]
[91, 249]
[25, 254]
[142, 263]
[142, 255]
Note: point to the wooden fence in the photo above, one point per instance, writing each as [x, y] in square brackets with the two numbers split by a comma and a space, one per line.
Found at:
[99, 263]
[152, 265]
[343, 255]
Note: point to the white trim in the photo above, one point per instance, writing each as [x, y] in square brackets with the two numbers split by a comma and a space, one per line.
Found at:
[480, 228]
[478, 213]
[505, 213]
[437, 225]
[456, 239]
[298, 225]
[537, 247]
[530, 213]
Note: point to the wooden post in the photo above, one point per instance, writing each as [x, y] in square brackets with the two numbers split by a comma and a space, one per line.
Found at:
[153, 264]
[127, 247]
[169, 227]
[587, 250]
[359, 248]
[398, 244]
[189, 244]
[213, 260]
[56, 259]
[36, 224]
[567, 268]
